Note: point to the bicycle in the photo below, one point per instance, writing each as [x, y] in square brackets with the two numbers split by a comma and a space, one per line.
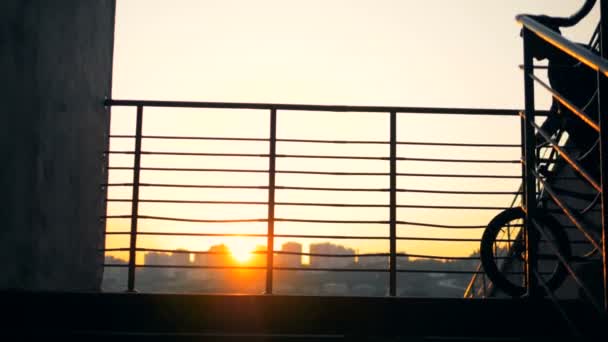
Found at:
[494, 247]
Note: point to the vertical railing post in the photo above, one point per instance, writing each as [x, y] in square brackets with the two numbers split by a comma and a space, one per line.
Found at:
[272, 156]
[135, 199]
[106, 170]
[522, 127]
[393, 206]
[603, 123]
[529, 164]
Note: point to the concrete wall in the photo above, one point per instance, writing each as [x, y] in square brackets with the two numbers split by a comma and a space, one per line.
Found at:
[55, 67]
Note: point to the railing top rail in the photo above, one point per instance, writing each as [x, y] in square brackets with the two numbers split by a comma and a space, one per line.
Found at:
[575, 50]
[318, 108]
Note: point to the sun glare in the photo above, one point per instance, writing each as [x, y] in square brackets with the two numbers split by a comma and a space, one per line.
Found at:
[241, 255]
[241, 250]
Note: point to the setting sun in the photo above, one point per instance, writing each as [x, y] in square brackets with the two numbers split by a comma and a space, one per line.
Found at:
[241, 255]
[242, 251]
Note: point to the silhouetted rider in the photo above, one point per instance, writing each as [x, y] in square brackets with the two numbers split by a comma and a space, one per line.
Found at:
[575, 82]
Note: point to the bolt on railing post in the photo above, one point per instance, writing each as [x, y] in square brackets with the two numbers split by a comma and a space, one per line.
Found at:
[603, 123]
[135, 199]
[529, 141]
[272, 156]
[393, 205]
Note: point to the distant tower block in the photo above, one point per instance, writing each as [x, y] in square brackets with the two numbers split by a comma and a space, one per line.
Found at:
[290, 260]
[331, 262]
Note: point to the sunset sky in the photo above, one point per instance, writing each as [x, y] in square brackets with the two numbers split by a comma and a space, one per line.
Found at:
[433, 53]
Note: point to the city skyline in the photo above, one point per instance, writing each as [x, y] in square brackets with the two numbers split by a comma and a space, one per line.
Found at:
[221, 272]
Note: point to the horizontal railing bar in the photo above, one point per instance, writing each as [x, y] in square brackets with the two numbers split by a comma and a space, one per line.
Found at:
[278, 187]
[316, 108]
[179, 137]
[316, 269]
[433, 225]
[575, 50]
[296, 236]
[327, 255]
[320, 141]
[331, 173]
[311, 220]
[201, 154]
[254, 268]
[456, 207]
[182, 251]
[345, 205]
[576, 166]
[481, 161]
[302, 204]
[567, 212]
[193, 186]
[169, 201]
[115, 216]
[178, 219]
[187, 169]
[454, 192]
[439, 175]
[422, 143]
[294, 220]
[193, 154]
[407, 223]
[559, 97]
[327, 173]
[330, 221]
[356, 205]
[317, 141]
[262, 187]
[303, 156]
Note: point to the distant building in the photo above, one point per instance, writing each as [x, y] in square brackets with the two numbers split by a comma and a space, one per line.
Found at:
[167, 259]
[329, 262]
[289, 260]
[154, 258]
[219, 255]
[176, 259]
[373, 262]
[114, 278]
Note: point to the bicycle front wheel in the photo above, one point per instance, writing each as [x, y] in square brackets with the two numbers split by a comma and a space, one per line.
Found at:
[503, 252]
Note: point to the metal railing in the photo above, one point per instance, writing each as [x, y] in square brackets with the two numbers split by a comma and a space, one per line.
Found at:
[533, 181]
[394, 225]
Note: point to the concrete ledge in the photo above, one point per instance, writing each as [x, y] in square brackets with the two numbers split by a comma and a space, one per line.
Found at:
[157, 315]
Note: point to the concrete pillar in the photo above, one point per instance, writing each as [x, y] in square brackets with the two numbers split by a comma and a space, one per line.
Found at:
[56, 69]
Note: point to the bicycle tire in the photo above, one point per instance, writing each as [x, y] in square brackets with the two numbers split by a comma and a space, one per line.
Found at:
[488, 260]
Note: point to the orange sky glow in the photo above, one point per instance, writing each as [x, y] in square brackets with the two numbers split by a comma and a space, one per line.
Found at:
[374, 52]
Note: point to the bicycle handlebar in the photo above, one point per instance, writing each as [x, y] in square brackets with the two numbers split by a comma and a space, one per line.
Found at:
[572, 20]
